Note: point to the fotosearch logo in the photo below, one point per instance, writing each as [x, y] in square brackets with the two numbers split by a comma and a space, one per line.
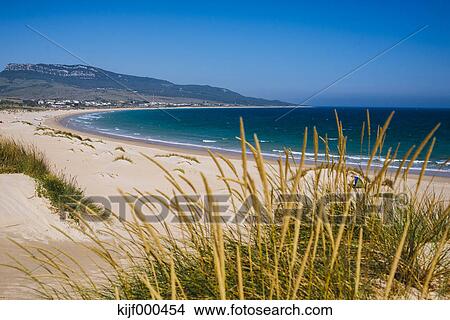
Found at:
[333, 208]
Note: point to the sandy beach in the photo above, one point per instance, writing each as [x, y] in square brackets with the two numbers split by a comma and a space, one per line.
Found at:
[27, 218]
[104, 166]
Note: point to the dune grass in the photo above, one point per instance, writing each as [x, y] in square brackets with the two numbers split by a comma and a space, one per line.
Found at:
[88, 145]
[62, 192]
[277, 252]
[182, 156]
[28, 123]
[47, 131]
[123, 157]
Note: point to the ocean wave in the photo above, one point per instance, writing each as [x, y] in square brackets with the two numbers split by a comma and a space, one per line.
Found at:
[90, 116]
[363, 160]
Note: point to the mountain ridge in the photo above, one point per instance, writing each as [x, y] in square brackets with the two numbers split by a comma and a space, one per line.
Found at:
[42, 79]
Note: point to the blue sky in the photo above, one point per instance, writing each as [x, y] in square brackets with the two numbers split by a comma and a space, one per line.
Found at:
[273, 49]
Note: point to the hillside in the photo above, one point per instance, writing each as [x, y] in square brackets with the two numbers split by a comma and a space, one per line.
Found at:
[48, 81]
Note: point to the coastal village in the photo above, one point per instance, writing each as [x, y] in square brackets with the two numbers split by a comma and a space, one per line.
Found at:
[80, 104]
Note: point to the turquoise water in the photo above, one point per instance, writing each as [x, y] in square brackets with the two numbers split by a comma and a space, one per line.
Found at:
[218, 129]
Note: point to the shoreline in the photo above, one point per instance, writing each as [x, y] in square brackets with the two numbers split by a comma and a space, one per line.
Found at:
[61, 123]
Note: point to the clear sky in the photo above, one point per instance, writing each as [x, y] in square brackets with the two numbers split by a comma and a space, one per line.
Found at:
[283, 50]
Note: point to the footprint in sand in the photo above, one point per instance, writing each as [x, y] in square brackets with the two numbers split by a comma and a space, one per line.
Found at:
[107, 175]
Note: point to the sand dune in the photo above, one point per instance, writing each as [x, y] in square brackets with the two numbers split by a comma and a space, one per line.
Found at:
[25, 215]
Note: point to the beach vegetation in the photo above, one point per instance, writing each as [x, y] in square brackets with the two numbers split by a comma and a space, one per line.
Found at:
[88, 145]
[182, 156]
[43, 130]
[277, 252]
[28, 123]
[124, 158]
[62, 191]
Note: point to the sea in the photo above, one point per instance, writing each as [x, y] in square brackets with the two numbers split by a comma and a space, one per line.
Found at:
[280, 128]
